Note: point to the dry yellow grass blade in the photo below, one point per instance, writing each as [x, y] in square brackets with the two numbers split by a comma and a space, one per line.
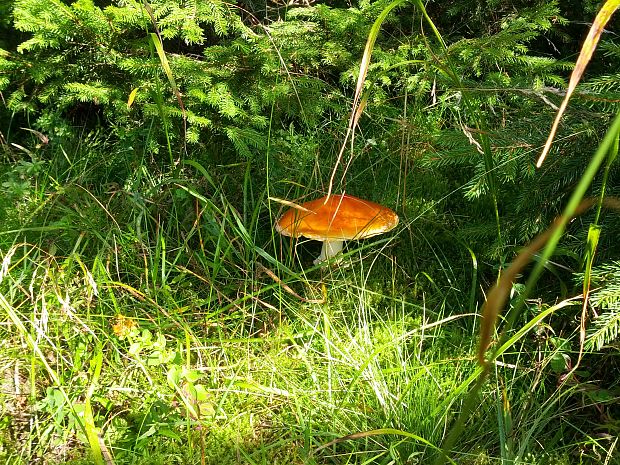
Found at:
[359, 103]
[288, 203]
[602, 18]
[497, 297]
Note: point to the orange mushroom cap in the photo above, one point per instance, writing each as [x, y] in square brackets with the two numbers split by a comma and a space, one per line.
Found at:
[339, 218]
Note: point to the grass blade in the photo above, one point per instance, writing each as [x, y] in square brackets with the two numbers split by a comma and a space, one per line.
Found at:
[358, 102]
[549, 239]
[378, 432]
[92, 434]
[602, 18]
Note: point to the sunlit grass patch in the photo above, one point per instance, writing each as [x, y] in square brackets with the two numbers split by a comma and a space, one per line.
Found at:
[304, 374]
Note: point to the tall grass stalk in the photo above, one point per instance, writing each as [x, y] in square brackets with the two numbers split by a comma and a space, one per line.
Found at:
[495, 301]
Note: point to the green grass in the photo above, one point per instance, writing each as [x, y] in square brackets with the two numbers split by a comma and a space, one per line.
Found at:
[148, 310]
[150, 314]
[222, 364]
[278, 383]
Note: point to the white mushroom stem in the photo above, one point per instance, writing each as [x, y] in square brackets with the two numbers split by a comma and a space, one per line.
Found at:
[329, 250]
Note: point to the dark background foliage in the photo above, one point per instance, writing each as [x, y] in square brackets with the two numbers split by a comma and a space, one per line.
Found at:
[268, 85]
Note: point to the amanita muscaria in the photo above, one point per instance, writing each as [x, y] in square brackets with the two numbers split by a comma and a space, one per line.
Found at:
[336, 219]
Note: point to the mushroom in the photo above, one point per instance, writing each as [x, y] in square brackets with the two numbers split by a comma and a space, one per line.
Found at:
[334, 220]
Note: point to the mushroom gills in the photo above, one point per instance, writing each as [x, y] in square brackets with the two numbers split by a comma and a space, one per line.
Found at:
[330, 249]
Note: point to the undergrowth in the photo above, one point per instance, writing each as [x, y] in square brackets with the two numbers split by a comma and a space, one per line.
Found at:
[150, 313]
